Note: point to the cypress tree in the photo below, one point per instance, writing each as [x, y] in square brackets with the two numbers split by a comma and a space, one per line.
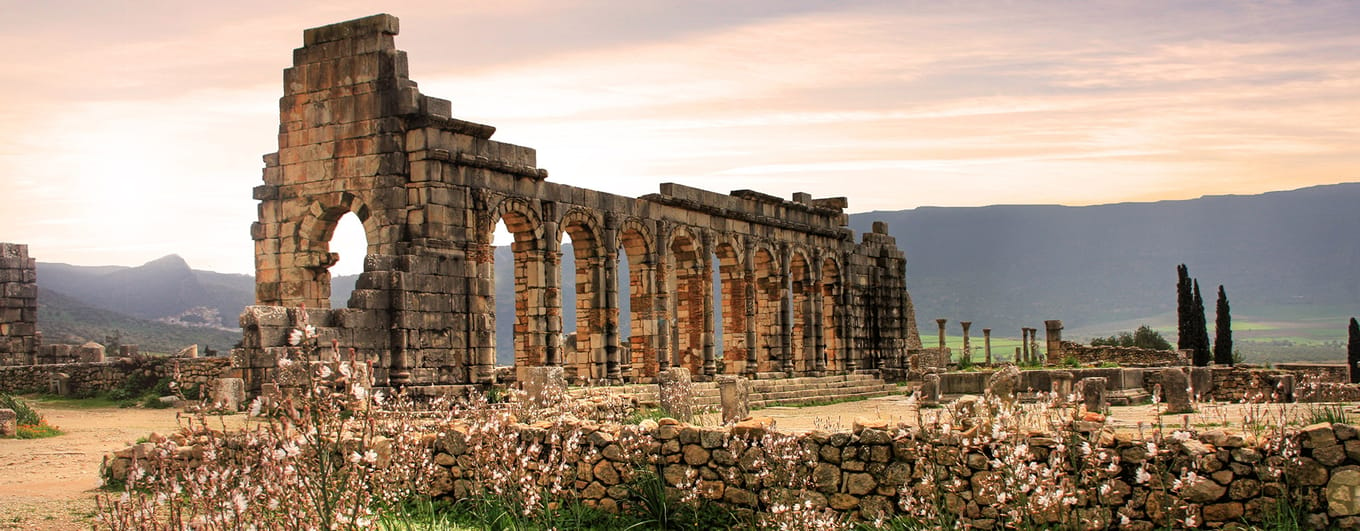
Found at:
[1184, 302]
[1223, 345]
[1199, 331]
[1353, 351]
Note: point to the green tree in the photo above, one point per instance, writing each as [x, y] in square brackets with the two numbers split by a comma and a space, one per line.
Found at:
[1146, 337]
[1184, 307]
[1223, 343]
[1353, 351]
[1199, 331]
[1143, 337]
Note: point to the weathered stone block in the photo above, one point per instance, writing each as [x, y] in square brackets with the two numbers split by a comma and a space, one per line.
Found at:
[230, 394]
[735, 396]
[9, 423]
[544, 386]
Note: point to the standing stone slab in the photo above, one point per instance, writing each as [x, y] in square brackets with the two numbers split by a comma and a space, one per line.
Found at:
[1201, 382]
[930, 390]
[1093, 394]
[230, 394]
[1061, 386]
[676, 393]
[544, 386]
[9, 423]
[1176, 390]
[735, 395]
[1003, 383]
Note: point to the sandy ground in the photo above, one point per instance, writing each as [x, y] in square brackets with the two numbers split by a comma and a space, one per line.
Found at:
[52, 483]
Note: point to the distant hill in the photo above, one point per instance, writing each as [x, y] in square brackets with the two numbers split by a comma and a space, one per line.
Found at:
[163, 289]
[1289, 260]
[1279, 255]
[64, 319]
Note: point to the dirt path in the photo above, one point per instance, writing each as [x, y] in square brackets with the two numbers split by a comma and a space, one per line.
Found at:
[51, 483]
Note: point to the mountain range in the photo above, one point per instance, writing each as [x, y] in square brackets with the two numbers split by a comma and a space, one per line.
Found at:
[1283, 257]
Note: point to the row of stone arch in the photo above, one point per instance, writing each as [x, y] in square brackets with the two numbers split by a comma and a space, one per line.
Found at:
[782, 302]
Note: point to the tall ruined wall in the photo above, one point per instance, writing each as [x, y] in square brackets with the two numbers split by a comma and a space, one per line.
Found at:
[798, 294]
[18, 305]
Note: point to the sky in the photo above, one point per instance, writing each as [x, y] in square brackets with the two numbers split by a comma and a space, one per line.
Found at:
[132, 130]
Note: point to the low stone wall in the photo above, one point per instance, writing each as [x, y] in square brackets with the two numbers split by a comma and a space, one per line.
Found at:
[84, 378]
[1087, 478]
[1318, 372]
[1124, 356]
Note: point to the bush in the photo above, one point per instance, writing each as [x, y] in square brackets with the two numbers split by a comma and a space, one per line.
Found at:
[1143, 337]
[27, 416]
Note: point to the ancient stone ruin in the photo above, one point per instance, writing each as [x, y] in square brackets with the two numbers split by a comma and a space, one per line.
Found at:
[19, 339]
[799, 296]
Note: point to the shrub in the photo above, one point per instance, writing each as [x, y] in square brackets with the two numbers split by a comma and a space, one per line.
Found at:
[27, 416]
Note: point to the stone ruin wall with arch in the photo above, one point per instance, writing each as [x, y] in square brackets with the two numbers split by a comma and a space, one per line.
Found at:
[800, 296]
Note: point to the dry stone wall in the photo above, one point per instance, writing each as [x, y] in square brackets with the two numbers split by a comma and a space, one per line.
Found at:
[89, 378]
[19, 337]
[1082, 478]
[356, 136]
[1124, 356]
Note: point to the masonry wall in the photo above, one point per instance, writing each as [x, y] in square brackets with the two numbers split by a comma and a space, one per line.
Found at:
[88, 378]
[1124, 480]
[1124, 356]
[19, 338]
[356, 136]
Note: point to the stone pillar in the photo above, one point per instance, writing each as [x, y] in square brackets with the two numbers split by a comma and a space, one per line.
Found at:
[735, 395]
[1034, 345]
[552, 290]
[845, 345]
[1023, 355]
[676, 393]
[967, 347]
[749, 287]
[1019, 356]
[785, 311]
[1093, 394]
[19, 337]
[612, 368]
[987, 344]
[9, 423]
[941, 323]
[706, 280]
[665, 265]
[544, 387]
[1176, 390]
[1054, 335]
[930, 390]
[1061, 386]
[818, 323]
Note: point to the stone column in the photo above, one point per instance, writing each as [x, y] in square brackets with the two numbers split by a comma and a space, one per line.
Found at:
[749, 287]
[987, 344]
[1055, 349]
[611, 300]
[481, 328]
[1023, 356]
[785, 311]
[552, 290]
[941, 323]
[1019, 356]
[845, 343]
[665, 265]
[706, 280]
[818, 314]
[967, 347]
